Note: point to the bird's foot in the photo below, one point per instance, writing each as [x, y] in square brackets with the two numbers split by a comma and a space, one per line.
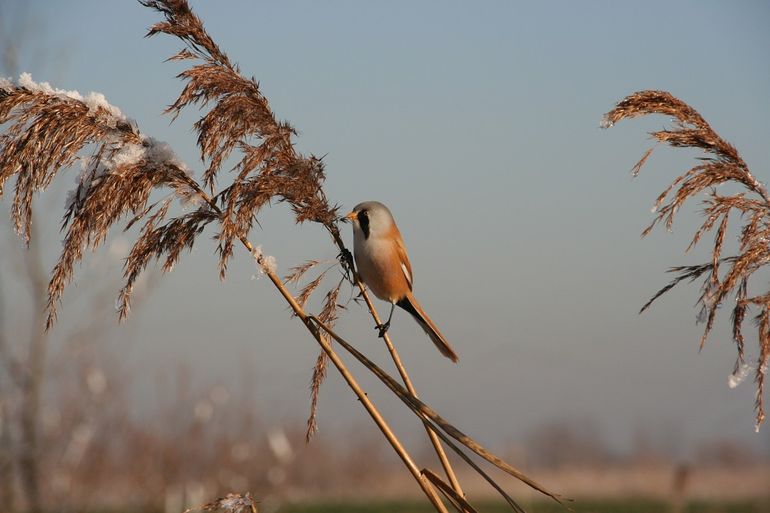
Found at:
[346, 259]
[383, 329]
[346, 255]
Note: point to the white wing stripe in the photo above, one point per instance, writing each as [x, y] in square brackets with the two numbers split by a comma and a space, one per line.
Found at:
[406, 273]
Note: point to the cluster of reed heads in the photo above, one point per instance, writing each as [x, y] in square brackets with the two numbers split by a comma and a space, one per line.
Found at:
[724, 278]
[129, 177]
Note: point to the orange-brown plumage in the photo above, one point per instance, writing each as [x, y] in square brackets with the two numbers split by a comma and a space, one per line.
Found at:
[384, 266]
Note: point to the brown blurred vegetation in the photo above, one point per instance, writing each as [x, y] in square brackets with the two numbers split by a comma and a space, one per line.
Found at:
[98, 451]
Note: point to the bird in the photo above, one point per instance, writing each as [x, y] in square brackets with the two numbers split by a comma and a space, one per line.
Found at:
[383, 265]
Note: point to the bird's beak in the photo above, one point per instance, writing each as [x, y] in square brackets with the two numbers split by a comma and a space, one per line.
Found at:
[350, 216]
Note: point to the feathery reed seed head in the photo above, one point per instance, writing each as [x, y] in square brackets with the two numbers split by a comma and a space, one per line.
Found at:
[722, 275]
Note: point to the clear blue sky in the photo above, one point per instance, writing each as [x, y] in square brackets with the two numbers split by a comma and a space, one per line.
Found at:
[477, 123]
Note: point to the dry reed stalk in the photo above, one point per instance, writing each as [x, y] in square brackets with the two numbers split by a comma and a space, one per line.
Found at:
[432, 436]
[449, 492]
[433, 419]
[319, 370]
[325, 343]
[723, 275]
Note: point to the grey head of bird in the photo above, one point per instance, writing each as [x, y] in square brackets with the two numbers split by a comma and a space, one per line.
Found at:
[371, 218]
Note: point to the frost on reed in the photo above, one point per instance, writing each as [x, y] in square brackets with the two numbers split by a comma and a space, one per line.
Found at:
[724, 277]
[47, 129]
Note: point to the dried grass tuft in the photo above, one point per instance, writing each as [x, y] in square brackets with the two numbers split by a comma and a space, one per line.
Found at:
[48, 130]
[723, 276]
[328, 316]
[240, 118]
[319, 375]
[231, 503]
[297, 272]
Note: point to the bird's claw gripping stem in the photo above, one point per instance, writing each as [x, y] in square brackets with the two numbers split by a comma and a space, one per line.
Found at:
[383, 328]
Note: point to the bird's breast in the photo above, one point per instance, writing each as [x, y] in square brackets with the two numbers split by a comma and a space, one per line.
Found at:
[380, 268]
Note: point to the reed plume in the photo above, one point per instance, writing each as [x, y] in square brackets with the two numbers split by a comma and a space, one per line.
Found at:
[723, 276]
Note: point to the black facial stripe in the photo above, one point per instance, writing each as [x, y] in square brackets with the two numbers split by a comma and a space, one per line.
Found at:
[363, 220]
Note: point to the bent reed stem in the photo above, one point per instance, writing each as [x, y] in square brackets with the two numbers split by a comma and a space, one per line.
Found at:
[383, 426]
[430, 492]
[424, 411]
[440, 452]
[410, 387]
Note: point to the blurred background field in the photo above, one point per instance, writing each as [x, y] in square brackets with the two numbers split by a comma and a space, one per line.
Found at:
[625, 506]
[480, 127]
[198, 444]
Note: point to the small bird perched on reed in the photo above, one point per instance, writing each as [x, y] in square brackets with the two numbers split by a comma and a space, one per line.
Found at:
[384, 267]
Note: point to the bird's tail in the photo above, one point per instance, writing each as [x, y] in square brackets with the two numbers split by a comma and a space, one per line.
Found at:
[410, 304]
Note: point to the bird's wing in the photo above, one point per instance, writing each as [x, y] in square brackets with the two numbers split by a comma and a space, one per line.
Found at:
[403, 258]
